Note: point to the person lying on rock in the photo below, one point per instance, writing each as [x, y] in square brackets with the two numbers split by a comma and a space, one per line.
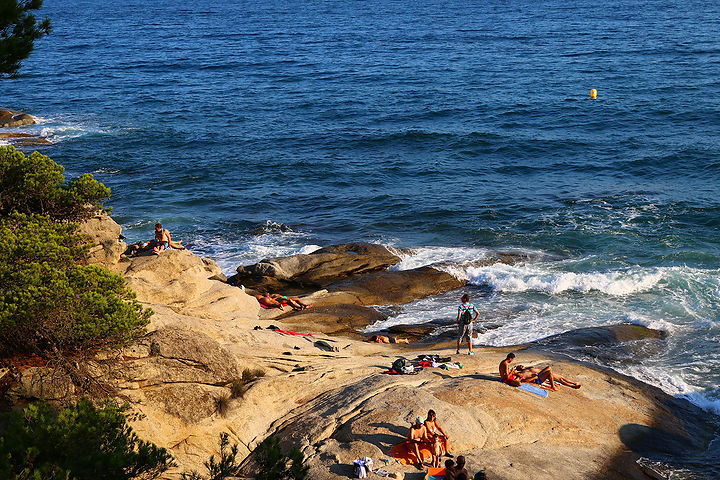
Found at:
[294, 302]
[436, 434]
[383, 339]
[417, 436]
[269, 302]
[162, 241]
[541, 375]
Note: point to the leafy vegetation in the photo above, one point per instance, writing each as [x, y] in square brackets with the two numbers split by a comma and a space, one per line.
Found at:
[239, 386]
[275, 465]
[51, 302]
[36, 185]
[81, 442]
[226, 466]
[18, 31]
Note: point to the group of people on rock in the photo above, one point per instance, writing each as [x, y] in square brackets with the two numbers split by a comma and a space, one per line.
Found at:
[519, 374]
[429, 434]
[162, 241]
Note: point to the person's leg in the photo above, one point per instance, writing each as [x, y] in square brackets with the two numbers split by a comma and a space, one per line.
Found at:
[461, 330]
[547, 375]
[419, 457]
[564, 381]
[469, 330]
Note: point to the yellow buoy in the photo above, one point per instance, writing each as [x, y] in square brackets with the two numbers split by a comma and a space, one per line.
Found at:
[593, 93]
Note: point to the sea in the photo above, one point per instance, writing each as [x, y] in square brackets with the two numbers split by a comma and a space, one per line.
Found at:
[255, 129]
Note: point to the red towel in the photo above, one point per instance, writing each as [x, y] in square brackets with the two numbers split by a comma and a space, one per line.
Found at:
[288, 332]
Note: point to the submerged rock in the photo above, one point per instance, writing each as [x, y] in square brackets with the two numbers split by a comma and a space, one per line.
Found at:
[622, 342]
[25, 139]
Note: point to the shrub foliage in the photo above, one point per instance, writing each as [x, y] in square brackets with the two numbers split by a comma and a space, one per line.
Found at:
[50, 300]
[18, 32]
[81, 442]
[225, 466]
[36, 184]
[275, 465]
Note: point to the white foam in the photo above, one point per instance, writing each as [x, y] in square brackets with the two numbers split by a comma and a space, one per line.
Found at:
[541, 277]
[423, 256]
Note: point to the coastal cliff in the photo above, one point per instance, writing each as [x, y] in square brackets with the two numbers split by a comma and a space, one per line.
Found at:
[327, 393]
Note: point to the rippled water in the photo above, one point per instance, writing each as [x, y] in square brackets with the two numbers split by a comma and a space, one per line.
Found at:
[256, 129]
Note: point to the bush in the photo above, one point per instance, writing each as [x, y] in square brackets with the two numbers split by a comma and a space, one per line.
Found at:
[274, 465]
[36, 184]
[239, 386]
[80, 442]
[50, 302]
[226, 467]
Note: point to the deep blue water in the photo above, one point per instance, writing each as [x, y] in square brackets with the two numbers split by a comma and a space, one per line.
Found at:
[256, 129]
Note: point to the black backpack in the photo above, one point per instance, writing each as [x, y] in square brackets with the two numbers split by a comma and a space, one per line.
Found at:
[466, 317]
[398, 365]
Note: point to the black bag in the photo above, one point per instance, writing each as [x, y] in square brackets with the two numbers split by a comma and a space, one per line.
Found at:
[398, 365]
[466, 317]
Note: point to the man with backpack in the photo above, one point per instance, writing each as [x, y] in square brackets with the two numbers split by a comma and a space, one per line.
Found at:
[465, 321]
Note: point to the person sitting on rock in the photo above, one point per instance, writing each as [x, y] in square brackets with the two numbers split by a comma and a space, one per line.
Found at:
[449, 470]
[436, 433]
[541, 375]
[294, 302]
[507, 373]
[163, 240]
[417, 436]
[383, 339]
[460, 470]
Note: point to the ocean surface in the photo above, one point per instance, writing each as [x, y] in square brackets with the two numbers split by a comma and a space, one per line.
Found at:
[461, 129]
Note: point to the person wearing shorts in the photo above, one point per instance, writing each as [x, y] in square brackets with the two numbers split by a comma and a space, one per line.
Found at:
[466, 329]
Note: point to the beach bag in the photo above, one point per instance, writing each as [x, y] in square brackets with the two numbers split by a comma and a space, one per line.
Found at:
[466, 317]
[398, 365]
[363, 466]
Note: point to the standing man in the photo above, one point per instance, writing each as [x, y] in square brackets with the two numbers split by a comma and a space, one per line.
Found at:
[465, 321]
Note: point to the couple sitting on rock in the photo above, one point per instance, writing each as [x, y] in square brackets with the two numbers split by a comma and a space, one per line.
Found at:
[428, 433]
[275, 300]
[519, 374]
[162, 241]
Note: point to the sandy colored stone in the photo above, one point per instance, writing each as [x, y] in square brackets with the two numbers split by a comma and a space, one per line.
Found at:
[12, 118]
[315, 270]
[104, 234]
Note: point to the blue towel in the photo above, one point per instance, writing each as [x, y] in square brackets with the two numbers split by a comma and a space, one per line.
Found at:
[528, 387]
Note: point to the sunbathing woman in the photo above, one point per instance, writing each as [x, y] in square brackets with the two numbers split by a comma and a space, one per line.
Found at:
[294, 302]
[435, 431]
[266, 300]
[383, 339]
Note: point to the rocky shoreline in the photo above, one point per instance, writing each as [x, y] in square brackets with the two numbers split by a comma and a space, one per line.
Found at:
[326, 393]
[12, 118]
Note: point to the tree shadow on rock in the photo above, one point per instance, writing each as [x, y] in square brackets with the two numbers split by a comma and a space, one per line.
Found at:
[343, 470]
[397, 429]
